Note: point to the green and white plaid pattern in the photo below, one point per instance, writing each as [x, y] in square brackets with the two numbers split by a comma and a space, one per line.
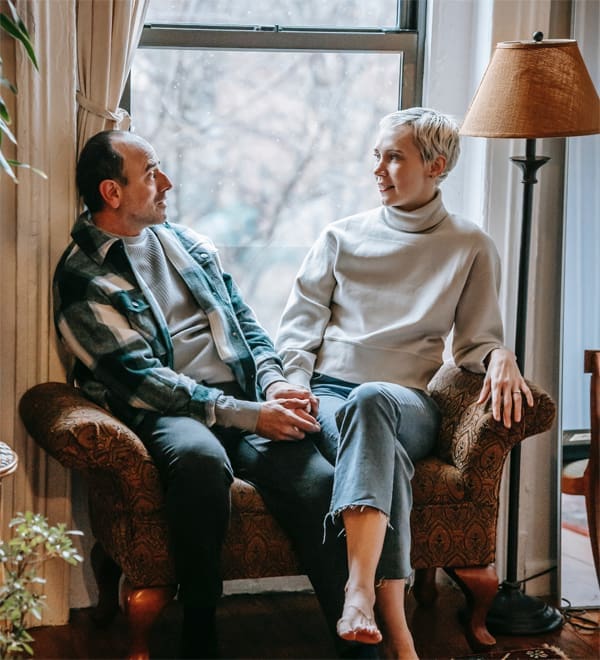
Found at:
[123, 351]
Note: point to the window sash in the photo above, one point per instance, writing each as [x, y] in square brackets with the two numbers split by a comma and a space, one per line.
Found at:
[408, 43]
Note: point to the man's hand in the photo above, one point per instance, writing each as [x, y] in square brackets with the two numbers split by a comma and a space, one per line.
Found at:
[285, 419]
[281, 389]
[507, 387]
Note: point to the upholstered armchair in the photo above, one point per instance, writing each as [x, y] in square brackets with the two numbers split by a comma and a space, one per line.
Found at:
[453, 522]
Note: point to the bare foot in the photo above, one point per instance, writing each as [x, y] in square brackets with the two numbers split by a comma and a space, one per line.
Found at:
[357, 623]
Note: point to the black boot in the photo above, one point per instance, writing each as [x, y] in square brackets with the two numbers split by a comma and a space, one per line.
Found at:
[199, 633]
[355, 651]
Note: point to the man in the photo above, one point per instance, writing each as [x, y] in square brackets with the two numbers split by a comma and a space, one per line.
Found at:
[163, 339]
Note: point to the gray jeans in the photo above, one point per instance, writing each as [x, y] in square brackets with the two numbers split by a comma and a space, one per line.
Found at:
[374, 433]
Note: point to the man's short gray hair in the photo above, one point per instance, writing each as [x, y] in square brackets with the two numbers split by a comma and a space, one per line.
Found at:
[434, 133]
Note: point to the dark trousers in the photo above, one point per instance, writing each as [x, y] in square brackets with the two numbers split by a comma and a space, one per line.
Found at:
[196, 475]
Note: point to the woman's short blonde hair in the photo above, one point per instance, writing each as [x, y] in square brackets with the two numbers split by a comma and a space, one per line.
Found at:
[434, 133]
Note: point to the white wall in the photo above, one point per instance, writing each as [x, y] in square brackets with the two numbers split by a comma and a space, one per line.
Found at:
[582, 238]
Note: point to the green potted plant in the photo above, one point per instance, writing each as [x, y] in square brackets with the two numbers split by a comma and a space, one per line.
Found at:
[33, 542]
[11, 24]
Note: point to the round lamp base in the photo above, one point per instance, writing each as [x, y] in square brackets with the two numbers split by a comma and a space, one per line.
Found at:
[515, 613]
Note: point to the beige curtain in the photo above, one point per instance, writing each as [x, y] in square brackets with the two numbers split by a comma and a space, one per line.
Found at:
[35, 218]
[108, 32]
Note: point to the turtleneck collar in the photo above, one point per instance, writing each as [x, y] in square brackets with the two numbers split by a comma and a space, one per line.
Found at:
[417, 221]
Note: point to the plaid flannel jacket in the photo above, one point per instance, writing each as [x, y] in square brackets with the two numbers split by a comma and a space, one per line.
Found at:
[123, 351]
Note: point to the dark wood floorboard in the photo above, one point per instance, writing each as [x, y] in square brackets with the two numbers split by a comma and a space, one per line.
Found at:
[290, 625]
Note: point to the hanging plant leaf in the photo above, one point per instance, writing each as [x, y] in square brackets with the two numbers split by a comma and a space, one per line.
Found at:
[6, 131]
[26, 166]
[4, 164]
[18, 30]
[5, 82]
[4, 112]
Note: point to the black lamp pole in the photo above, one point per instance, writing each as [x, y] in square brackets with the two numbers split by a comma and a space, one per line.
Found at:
[529, 165]
[513, 612]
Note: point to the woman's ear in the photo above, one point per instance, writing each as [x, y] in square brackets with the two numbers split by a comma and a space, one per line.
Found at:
[437, 166]
[110, 191]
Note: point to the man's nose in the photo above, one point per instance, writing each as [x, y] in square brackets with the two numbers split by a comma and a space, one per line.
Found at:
[165, 183]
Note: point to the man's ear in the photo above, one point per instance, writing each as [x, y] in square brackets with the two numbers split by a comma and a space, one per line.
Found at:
[110, 191]
[437, 166]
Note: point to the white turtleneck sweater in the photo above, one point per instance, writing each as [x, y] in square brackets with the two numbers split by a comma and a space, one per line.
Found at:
[379, 292]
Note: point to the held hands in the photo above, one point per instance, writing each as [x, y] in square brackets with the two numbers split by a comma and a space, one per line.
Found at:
[507, 387]
[285, 419]
[287, 413]
[283, 390]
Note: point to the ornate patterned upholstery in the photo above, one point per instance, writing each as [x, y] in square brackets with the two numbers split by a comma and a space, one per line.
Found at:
[456, 491]
[454, 517]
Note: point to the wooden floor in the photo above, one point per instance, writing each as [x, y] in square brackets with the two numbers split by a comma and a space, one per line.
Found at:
[290, 625]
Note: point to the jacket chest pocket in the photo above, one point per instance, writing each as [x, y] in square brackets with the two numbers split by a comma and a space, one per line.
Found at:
[212, 274]
[138, 312]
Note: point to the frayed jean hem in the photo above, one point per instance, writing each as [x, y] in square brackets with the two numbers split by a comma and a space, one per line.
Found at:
[335, 514]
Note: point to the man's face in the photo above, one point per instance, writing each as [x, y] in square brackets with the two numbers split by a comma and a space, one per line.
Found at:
[143, 197]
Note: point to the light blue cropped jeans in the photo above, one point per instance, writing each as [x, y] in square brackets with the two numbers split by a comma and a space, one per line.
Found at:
[374, 433]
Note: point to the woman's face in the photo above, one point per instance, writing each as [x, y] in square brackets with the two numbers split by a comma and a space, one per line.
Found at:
[403, 179]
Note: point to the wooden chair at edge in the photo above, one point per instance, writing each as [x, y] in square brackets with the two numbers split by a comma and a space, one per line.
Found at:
[583, 477]
[454, 517]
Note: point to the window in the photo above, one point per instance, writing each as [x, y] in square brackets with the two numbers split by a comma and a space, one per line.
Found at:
[263, 114]
[344, 14]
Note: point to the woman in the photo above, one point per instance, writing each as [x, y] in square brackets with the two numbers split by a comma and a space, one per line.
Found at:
[365, 327]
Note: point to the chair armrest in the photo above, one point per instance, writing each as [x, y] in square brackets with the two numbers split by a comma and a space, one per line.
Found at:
[470, 438]
[83, 436]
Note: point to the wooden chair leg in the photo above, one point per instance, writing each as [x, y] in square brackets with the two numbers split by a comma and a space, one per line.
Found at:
[424, 587]
[480, 585]
[107, 574]
[142, 609]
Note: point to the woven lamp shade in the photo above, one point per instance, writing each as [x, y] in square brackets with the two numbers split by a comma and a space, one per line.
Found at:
[534, 90]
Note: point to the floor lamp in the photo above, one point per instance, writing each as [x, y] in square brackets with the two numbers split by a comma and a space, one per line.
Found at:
[531, 89]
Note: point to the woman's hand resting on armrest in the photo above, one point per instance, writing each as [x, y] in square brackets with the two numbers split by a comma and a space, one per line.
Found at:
[507, 387]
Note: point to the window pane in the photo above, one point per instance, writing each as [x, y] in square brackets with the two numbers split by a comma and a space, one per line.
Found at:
[264, 149]
[337, 13]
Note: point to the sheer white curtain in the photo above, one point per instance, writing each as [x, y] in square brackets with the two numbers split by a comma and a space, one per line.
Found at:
[108, 32]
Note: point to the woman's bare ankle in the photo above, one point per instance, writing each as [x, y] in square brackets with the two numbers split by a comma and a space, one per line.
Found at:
[400, 649]
[363, 593]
